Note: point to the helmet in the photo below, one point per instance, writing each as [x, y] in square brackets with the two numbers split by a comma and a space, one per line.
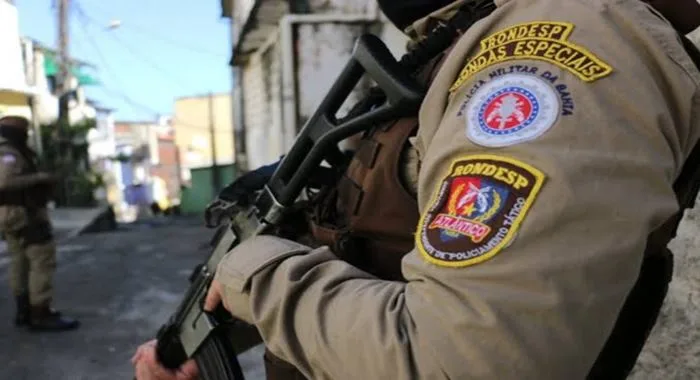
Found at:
[403, 13]
[15, 129]
[14, 122]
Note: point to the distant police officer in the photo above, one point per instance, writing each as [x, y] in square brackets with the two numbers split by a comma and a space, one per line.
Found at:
[25, 224]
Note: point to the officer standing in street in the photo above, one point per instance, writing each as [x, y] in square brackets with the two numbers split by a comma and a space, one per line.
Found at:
[25, 225]
[549, 145]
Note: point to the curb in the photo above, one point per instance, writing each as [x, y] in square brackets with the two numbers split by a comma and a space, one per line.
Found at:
[104, 221]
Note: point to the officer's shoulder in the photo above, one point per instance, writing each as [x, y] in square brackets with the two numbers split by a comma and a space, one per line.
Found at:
[590, 39]
[8, 155]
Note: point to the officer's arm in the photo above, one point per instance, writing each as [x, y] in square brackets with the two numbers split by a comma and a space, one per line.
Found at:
[26, 181]
[11, 177]
[526, 251]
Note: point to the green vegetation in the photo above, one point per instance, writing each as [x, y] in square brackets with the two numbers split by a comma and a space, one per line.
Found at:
[69, 157]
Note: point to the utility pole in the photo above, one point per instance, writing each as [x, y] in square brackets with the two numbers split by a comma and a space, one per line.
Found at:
[215, 180]
[31, 72]
[63, 79]
[63, 88]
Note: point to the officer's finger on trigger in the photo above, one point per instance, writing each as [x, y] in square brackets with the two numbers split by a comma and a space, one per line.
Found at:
[213, 297]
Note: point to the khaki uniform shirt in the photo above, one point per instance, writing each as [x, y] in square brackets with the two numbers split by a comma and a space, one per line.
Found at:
[549, 142]
[12, 164]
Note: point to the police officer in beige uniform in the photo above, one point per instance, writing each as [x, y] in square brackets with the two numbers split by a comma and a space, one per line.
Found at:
[549, 144]
[25, 224]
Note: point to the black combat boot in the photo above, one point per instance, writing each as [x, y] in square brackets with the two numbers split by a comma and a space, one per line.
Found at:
[23, 310]
[44, 318]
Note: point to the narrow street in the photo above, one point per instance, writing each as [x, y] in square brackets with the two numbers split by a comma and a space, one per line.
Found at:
[122, 286]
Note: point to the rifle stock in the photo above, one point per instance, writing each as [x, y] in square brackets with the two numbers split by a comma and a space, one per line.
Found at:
[192, 332]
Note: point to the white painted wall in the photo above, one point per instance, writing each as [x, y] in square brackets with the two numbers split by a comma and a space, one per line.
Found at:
[12, 74]
[275, 108]
[47, 103]
[255, 105]
[102, 139]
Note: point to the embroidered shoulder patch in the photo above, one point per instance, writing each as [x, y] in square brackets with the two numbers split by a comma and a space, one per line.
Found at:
[541, 40]
[8, 158]
[477, 209]
[511, 109]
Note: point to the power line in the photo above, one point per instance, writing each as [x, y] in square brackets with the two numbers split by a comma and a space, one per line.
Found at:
[96, 47]
[163, 38]
[86, 18]
[154, 113]
[131, 102]
[107, 67]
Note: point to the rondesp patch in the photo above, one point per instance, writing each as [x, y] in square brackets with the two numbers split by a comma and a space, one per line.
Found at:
[477, 209]
[540, 40]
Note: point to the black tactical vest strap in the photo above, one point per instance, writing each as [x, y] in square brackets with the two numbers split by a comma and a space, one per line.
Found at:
[642, 307]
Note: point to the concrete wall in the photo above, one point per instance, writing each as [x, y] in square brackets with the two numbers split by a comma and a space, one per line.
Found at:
[263, 105]
[323, 51]
[167, 169]
[320, 51]
[192, 133]
[342, 6]
[135, 134]
[695, 36]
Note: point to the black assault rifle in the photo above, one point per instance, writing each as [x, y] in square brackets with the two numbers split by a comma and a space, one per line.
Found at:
[192, 332]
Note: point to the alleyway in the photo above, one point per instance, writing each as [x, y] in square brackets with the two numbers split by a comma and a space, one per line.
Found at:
[122, 286]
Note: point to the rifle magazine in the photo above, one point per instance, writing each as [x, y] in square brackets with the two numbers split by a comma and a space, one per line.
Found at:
[217, 359]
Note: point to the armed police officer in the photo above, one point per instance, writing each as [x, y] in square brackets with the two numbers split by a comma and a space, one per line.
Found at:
[24, 222]
[518, 232]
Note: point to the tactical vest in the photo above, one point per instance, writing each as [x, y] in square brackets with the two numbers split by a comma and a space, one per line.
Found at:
[33, 197]
[370, 218]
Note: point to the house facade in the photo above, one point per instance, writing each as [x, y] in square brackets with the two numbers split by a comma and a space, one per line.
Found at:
[286, 55]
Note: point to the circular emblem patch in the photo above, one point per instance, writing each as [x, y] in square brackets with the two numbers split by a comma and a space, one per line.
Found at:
[511, 109]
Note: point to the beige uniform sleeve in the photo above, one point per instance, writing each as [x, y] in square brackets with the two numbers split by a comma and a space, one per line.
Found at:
[548, 154]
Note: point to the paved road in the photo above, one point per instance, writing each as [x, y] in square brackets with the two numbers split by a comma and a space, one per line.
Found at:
[122, 285]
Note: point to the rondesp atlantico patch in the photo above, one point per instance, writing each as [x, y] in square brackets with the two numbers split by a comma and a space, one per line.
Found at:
[477, 209]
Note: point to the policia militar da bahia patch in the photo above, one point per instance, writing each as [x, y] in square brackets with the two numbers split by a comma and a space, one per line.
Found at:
[477, 209]
[540, 40]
